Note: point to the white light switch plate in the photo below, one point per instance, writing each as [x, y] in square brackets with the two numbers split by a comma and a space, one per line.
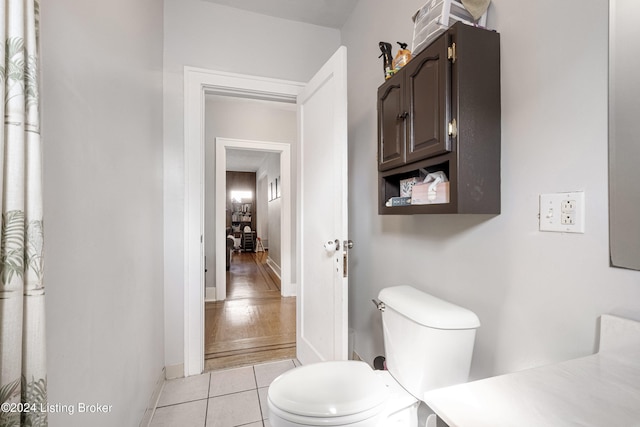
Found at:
[562, 212]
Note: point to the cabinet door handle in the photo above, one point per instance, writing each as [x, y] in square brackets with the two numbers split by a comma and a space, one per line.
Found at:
[403, 115]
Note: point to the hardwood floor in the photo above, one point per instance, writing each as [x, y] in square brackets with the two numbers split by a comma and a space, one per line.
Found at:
[254, 324]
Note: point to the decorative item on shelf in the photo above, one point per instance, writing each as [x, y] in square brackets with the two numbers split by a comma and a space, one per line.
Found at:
[406, 185]
[436, 16]
[399, 201]
[402, 57]
[477, 8]
[387, 63]
[433, 190]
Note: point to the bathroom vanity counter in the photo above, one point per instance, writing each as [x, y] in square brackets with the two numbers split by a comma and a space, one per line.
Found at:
[598, 390]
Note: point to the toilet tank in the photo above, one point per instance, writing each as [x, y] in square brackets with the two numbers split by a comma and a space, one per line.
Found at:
[428, 341]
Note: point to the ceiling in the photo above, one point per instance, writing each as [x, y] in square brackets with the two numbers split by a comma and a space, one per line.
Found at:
[326, 13]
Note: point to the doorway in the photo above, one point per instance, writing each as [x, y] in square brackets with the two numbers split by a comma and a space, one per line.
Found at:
[322, 124]
[250, 322]
[222, 145]
[198, 82]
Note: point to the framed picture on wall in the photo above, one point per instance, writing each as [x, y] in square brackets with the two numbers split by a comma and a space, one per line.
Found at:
[278, 185]
[271, 191]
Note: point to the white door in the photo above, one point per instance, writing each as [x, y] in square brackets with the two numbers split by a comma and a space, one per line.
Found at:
[322, 331]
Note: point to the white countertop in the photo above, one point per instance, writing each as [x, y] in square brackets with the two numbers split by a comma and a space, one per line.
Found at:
[600, 390]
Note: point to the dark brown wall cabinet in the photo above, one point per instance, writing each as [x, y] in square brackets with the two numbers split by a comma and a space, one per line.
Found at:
[441, 112]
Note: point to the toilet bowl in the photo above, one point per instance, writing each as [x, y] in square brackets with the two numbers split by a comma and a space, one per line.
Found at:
[428, 344]
[340, 393]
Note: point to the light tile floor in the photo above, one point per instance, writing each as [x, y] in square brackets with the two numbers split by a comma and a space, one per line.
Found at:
[226, 398]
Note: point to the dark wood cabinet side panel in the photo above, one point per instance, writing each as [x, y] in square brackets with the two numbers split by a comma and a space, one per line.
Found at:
[478, 111]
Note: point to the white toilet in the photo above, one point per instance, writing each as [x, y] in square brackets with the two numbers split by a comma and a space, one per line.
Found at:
[428, 344]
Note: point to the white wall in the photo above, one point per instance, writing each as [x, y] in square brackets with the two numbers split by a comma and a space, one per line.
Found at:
[240, 118]
[102, 133]
[274, 218]
[538, 295]
[202, 34]
[262, 208]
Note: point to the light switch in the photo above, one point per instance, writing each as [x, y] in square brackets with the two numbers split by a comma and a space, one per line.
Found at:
[562, 212]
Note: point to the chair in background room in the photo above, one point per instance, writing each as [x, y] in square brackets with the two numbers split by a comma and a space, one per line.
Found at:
[248, 239]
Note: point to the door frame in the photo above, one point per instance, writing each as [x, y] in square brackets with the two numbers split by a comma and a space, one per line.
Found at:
[198, 82]
[284, 149]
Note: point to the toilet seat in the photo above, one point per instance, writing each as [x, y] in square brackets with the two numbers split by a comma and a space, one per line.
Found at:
[337, 393]
[347, 420]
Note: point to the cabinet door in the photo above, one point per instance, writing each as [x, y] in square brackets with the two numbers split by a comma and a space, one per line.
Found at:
[391, 123]
[428, 85]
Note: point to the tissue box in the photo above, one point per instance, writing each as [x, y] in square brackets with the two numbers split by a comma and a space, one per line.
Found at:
[420, 194]
[435, 17]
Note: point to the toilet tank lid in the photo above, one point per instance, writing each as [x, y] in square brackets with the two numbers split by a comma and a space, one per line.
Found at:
[428, 310]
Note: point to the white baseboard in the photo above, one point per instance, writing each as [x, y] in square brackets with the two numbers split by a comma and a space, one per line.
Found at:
[174, 371]
[275, 267]
[153, 401]
[209, 293]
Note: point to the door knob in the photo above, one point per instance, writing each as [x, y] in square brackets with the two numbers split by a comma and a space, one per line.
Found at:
[332, 245]
[348, 244]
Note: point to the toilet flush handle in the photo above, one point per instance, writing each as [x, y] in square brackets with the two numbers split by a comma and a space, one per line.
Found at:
[379, 304]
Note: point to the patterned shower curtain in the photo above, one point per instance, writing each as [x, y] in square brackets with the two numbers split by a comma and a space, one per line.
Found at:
[23, 377]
